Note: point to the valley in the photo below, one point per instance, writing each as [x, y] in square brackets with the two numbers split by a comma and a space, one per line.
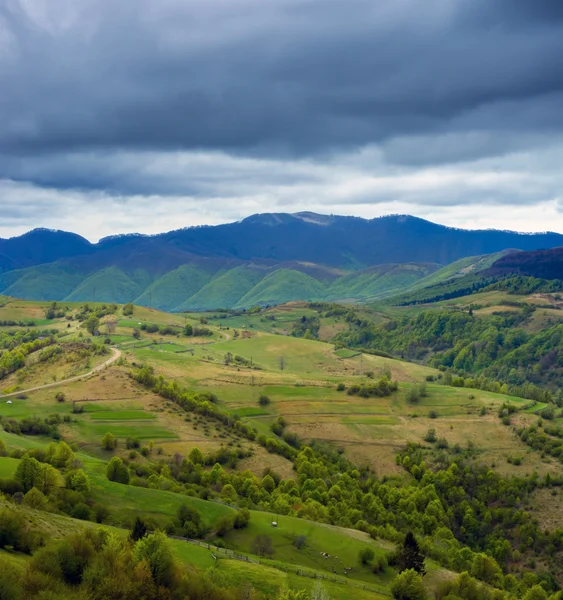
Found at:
[226, 411]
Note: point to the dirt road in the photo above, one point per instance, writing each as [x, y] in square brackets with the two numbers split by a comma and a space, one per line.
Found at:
[114, 357]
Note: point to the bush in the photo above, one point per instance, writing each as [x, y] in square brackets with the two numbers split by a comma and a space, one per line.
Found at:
[242, 519]
[433, 414]
[366, 555]
[412, 396]
[109, 442]
[117, 471]
[263, 400]
[430, 436]
[224, 525]
[340, 387]
[379, 564]
[60, 397]
[408, 585]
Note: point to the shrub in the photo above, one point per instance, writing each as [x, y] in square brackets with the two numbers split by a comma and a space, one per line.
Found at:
[433, 414]
[412, 395]
[242, 519]
[109, 442]
[117, 471]
[408, 585]
[60, 397]
[340, 387]
[263, 400]
[366, 555]
[430, 436]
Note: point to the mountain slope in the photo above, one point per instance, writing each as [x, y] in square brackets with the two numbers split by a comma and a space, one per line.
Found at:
[110, 285]
[40, 246]
[543, 264]
[174, 288]
[225, 290]
[376, 281]
[283, 285]
[344, 242]
[315, 257]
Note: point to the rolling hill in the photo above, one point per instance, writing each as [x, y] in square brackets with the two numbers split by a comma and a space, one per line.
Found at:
[264, 259]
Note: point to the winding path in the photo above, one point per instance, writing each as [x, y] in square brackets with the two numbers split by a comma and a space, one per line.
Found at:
[116, 356]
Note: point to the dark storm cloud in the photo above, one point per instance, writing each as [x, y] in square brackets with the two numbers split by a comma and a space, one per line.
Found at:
[145, 115]
[284, 77]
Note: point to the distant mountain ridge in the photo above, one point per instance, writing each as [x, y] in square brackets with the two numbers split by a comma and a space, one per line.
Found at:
[265, 258]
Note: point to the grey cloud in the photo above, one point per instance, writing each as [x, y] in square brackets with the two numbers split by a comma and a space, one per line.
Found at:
[277, 77]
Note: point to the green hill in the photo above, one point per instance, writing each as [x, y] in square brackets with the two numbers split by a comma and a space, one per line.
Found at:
[45, 282]
[174, 288]
[110, 284]
[225, 290]
[283, 285]
[377, 281]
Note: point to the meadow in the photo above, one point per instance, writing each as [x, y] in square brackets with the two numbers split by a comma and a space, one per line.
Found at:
[300, 379]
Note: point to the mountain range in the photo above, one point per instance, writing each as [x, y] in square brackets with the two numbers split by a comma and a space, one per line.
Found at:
[263, 259]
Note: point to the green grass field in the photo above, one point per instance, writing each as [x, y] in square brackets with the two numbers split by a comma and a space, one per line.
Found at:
[121, 415]
[8, 466]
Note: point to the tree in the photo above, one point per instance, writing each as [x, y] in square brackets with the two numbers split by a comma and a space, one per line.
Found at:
[128, 309]
[268, 483]
[263, 400]
[139, 530]
[117, 471]
[190, 520]
[61, 455]
[188, 330]
[262, 545]
[242, 519]
[281, 362]
[224, 525]
[92, 324]
[28, 472]
[155, 550]
[196, 456]
[408, 586]
[3, 451]
[109, 442]
[48, 479]
[60, 397]
[366, 555]
[35, 499]
[78, 481]
[535, 593]
[410, 556]
[300, 541]
[486, 569]
[137, 333]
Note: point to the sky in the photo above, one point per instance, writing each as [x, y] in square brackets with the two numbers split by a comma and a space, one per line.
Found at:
[145, 116]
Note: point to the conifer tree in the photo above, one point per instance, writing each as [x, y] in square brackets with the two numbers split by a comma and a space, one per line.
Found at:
[410, 556]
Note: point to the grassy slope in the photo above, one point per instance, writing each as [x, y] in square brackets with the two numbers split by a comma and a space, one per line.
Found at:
[225, 290]
[283, 285]
[128, 501]
[377, 281]
[464, 269]
[46, 282]
[174, 288]
[111, 284]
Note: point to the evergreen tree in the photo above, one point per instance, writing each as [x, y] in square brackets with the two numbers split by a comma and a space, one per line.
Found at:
[139, 529]
[410, 556]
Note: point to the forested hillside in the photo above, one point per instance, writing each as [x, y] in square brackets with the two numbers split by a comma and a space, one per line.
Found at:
[264, 259]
